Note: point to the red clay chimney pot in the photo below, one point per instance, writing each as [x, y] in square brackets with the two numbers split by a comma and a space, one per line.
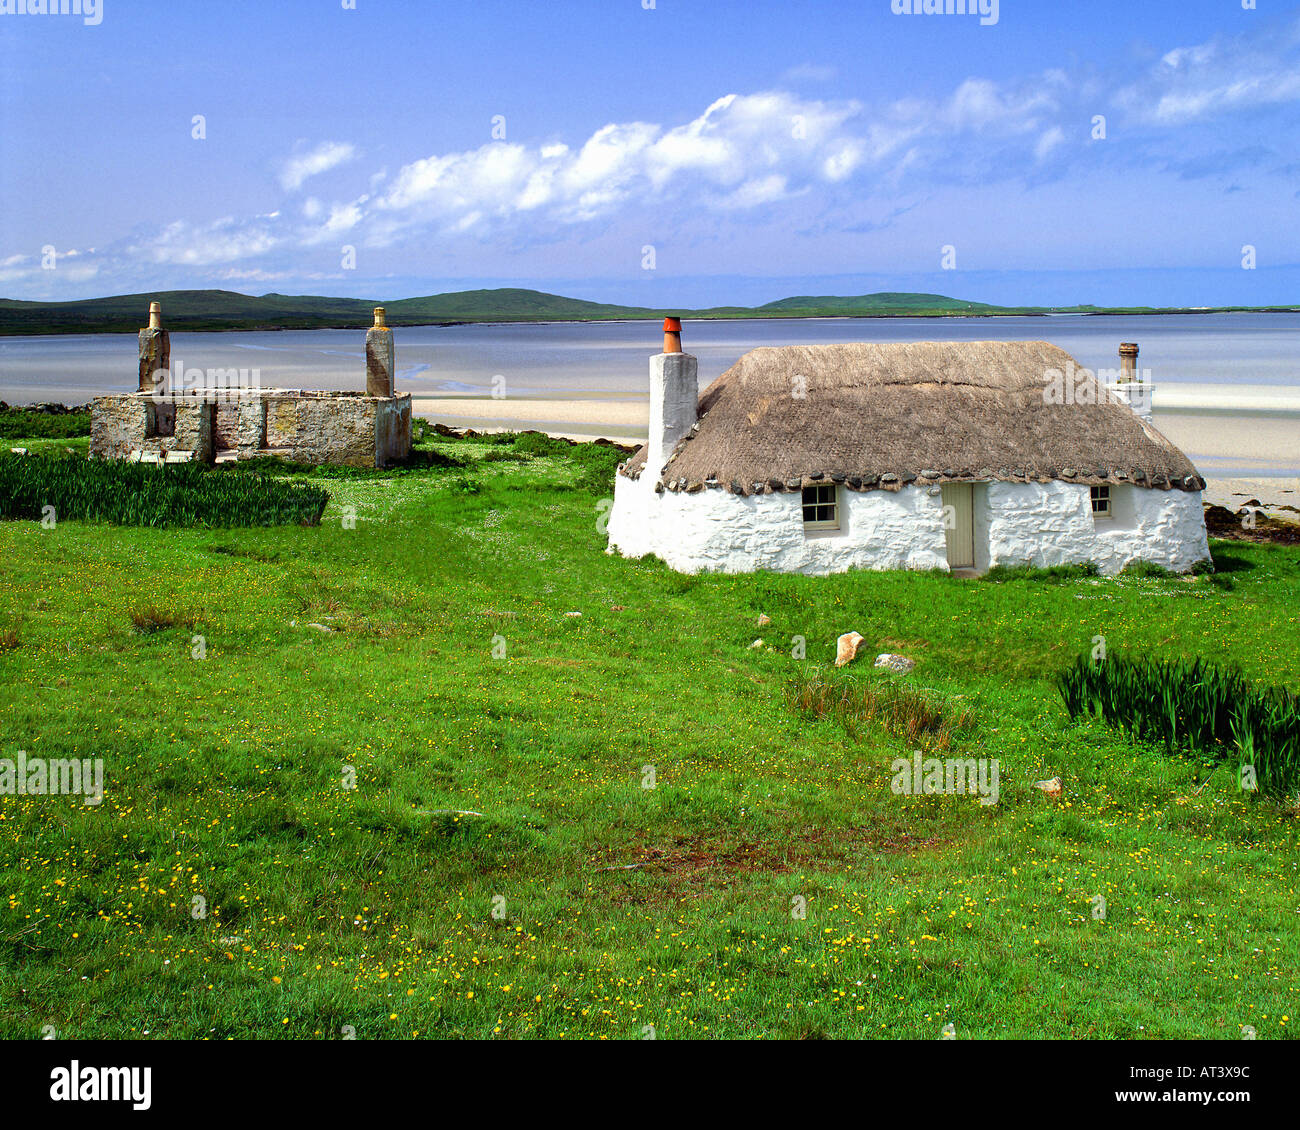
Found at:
[672, 335]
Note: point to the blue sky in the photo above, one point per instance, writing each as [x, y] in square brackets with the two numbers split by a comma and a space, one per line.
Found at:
[760, 148]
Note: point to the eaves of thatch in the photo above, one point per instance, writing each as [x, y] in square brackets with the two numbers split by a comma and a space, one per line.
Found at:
[881, 416]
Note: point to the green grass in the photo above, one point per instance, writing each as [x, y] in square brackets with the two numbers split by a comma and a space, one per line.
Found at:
[19, 422]
[61, 488]
[499, 750]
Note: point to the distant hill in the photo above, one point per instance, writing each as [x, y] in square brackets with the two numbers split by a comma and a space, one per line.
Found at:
[230, 310]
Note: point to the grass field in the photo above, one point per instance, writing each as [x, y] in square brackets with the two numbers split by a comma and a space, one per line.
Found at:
[403, 792]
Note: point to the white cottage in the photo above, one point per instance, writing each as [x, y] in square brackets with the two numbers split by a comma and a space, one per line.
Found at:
[925, 455]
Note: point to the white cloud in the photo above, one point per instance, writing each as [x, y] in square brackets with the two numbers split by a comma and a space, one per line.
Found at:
[226, 240]
[742, 152]
[1222, 76]
[1048, 141]
[325, 156]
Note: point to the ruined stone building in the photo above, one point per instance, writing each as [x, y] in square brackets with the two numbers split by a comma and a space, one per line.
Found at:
[165, 421]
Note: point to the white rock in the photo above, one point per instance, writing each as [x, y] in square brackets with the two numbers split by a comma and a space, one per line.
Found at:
[846, 648]
[899, 663]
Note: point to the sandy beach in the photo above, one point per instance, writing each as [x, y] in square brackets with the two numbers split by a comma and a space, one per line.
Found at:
[622, 420]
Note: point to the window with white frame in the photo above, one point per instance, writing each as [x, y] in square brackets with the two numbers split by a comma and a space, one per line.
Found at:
[820, 507]
[1101, 502]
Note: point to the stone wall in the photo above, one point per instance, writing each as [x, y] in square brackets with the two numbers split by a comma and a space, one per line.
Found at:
[307, 427]
[120, 425]
[1036, 524]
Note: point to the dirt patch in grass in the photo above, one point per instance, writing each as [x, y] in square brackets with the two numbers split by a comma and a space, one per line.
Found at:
[685, 868]
[691, 867]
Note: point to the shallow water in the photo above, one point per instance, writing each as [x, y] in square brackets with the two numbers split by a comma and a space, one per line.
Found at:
[1218, 361]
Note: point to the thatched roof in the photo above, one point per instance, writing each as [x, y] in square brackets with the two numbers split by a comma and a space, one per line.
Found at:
[878, 416]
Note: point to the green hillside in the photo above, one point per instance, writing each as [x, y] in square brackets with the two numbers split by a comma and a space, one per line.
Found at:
[230, 310]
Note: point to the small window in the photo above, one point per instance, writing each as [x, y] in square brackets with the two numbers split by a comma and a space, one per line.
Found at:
[820, 511]
[159, 420]
[1101, 502]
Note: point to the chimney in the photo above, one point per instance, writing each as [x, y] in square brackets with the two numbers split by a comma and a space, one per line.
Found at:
[674, 398]
[672, 335]
[381, 358]
[1128, 354]
[155, 353]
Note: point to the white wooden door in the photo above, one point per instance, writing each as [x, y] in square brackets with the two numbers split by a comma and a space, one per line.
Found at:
[959, 525]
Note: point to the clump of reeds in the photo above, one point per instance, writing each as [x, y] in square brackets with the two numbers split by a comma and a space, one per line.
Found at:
[150, 618]
[918, 717]
[1195, 705]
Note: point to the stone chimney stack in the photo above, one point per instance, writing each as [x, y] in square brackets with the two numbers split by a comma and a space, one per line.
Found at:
[674, 398]
[381, 357]
[155, 354]
[1128, 356]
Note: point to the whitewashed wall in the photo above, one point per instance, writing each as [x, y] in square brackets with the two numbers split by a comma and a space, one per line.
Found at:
[1052, 524]
[1015, 523]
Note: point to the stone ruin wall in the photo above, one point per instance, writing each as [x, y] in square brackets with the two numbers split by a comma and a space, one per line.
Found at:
[371, 429]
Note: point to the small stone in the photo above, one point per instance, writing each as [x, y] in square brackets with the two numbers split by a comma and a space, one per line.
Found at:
[764, 619]
[573, 613]
[1052, 788]
[846, 648]
[899, 663]
[755, 645]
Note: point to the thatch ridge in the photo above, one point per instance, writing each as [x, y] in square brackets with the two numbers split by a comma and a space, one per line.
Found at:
[875, 416]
